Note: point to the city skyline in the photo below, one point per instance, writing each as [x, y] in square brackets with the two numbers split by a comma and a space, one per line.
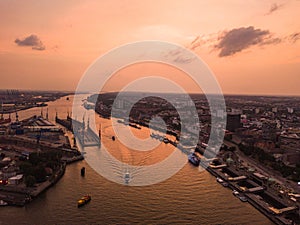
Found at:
[252, 48]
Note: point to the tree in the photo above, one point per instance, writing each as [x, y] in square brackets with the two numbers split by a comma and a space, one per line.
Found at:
[40, 173]
[26, 168]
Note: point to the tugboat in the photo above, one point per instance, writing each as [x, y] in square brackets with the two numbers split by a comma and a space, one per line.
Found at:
[84, 200]
[193, 159]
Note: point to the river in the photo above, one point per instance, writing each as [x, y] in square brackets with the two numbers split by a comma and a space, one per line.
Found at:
[188, 197]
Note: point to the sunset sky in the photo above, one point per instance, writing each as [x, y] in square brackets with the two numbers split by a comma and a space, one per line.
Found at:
[252, 47]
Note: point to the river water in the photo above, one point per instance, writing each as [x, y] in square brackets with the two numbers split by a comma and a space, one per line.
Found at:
[188, 197]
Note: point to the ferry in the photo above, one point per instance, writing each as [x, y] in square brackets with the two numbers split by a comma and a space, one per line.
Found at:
[84, 200]
[193, 159]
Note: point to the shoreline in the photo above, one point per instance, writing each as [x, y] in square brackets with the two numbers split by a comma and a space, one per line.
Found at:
[23, 196]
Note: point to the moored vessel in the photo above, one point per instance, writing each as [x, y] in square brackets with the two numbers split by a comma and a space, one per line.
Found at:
[3, 203]
[193, 159]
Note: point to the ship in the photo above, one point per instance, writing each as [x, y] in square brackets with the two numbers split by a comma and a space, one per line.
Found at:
[193, 159]
[221, 181]
[166, 140]
[243, 198]
[3, 203]
[84, 200]
[235, 193]
[82, 171]
[134, 126]
[127, 177]
[88, 105]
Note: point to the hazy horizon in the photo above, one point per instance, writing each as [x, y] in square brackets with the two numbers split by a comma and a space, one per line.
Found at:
[251, 47]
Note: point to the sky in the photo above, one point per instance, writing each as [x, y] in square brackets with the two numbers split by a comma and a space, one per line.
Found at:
[252, 47]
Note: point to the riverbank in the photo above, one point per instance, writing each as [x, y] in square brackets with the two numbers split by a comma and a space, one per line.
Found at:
[21, 195]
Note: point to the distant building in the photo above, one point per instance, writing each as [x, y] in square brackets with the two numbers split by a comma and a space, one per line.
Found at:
[233, 121]
[257, 110]
[290, 144]
[269, 129]
[290, 110]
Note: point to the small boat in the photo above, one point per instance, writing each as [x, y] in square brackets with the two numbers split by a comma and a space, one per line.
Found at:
[225, 184]
[243, 198]
[166, 140]
[235, 193]
[127, 177]
[3, 203]
[219, 180]
[193, 159]
[82, 171]
[84, 200]
[134, 126]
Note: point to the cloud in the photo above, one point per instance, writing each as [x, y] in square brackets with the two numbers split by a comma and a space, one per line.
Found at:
[183, 59]
[294, 37]
[274, 7]
[178, 56]
[203, 40]
[238, 39]
[33, 41]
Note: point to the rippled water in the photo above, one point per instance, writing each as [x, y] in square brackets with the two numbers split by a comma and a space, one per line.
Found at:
[189, 197]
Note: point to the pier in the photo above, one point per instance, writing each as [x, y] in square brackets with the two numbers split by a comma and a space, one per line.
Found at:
[84, 135]
[258, 196]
